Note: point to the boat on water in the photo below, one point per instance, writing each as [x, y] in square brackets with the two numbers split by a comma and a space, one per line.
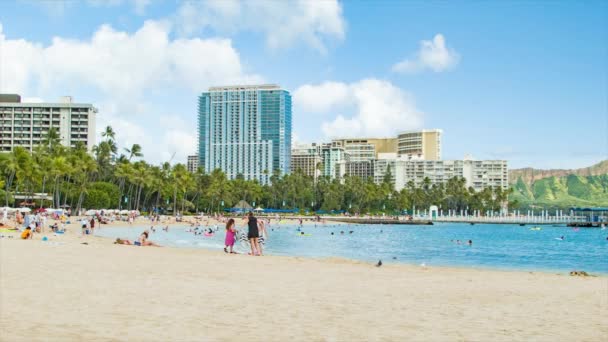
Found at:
[535, 228]
[522, 224]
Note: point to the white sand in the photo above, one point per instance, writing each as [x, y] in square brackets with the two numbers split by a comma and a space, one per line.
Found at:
[61, 290]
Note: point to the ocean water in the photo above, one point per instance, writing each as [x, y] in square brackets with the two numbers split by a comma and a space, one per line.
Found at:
[510, 247]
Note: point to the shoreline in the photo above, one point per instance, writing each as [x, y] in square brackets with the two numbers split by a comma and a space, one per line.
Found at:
[397, 262]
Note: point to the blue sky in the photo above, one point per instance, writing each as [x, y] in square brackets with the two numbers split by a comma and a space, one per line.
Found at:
[522, 81]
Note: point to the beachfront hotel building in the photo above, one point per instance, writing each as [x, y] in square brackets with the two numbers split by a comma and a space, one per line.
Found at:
[192, 163]
[420, 144]
[27, 124]
[479, 174]
[245, 130]
[307, 159]
[366, 149]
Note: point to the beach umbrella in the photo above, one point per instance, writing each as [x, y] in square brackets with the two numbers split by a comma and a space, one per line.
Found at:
[258, 209]
[90, 212]
[124, 212]
[25, 210]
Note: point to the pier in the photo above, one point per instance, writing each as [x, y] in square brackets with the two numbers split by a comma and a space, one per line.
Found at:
[363, 220]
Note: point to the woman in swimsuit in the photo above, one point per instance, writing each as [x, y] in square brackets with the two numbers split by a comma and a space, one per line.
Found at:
[143, 240]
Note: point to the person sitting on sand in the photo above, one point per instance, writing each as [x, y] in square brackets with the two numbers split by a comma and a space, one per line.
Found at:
[143, 240]
[27, 233]
[120, 241]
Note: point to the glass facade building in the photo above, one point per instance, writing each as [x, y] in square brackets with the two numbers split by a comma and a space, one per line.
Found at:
[245, 130]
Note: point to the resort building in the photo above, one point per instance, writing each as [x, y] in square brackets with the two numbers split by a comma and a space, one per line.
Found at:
[245, 130]
[366, 149]
[307, 158]
[361, 169]
[333, 154]
[479, 174]
[192, 164]
[28, 124]
[424, 144]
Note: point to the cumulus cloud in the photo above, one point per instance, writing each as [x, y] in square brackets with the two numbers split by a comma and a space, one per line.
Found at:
[433, 55]
[122, 70]
[122, 64]
[377, 107]
[282, 22]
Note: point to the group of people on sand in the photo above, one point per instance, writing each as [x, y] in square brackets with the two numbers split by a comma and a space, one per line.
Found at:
[256, 235]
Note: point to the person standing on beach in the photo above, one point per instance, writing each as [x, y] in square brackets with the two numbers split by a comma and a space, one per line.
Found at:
[83, 224]
[92, 222]
[230, 236]
[263, 236]
[253, 234]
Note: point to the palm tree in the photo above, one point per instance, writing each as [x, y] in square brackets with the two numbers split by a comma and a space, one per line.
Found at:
[51, 140]
[109, 133]
[134, 151]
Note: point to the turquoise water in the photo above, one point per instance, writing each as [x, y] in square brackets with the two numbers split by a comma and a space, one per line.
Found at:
[494, 246]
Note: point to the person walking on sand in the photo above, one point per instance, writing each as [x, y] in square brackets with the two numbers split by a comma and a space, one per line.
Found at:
[253, 234]
[230, 236]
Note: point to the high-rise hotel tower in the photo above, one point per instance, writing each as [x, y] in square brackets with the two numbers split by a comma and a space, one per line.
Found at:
[245, 130]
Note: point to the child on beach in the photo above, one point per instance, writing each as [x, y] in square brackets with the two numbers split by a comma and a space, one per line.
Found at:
[27, 233]
[230, 236]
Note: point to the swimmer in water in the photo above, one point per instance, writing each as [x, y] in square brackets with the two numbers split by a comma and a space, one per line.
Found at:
[470, 242]
[341, 232]
[332, 233]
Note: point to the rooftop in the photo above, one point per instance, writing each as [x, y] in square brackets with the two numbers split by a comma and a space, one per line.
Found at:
[11, 100]
[246, 87]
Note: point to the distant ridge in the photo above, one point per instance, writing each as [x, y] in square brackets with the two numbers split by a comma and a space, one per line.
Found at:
[530, 175]
[560, 188]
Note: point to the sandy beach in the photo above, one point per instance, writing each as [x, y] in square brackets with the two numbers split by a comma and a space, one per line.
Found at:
[63, 290]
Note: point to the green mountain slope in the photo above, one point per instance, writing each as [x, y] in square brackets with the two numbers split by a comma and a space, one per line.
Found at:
[562, 192]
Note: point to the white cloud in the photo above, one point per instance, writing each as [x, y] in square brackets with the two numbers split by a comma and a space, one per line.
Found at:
[282, 22]
[121, 64]
[139, 6]
[321, 98]
[379, 108]
[433, 55]
[124, 70]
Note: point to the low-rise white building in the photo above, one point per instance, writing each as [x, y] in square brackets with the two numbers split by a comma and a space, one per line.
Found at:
[479, 174]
